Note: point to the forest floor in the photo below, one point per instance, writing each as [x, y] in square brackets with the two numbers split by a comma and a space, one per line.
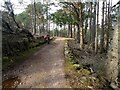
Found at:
[43, 69]
[84, 69]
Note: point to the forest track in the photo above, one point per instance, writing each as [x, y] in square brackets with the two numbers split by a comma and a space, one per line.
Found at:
[43, 69]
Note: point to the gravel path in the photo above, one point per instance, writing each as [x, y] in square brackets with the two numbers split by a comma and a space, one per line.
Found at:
[44, 69]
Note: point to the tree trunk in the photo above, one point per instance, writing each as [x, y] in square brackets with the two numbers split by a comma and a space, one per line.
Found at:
[71, 31]
[81, 27]
[34, 17]
[86, 24]
[109, 27]
[74, 32]
[96, 37]
[15, 22]
[94, 28]
[85, 31]
[102, 31]
[90, 28]
[78, 33]
[81, 38]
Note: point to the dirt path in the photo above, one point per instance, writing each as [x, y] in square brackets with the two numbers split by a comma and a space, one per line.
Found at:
[44, 69]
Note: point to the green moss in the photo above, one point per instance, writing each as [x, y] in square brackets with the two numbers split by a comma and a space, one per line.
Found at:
[68, 64]
[76, 66]
[84, 71]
